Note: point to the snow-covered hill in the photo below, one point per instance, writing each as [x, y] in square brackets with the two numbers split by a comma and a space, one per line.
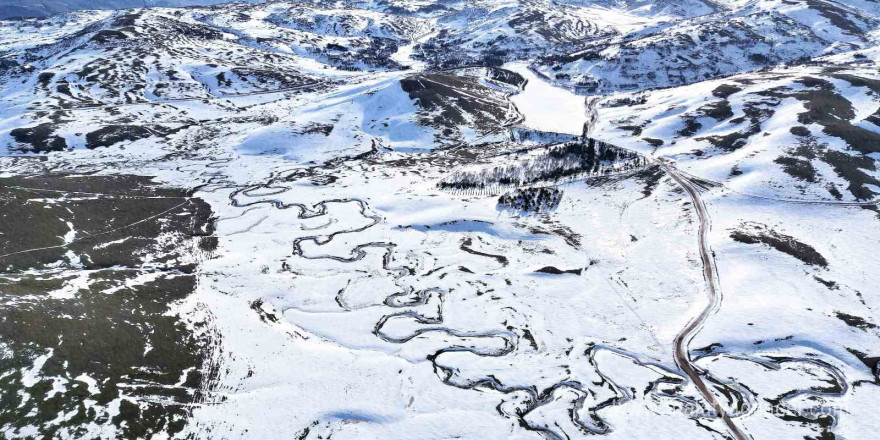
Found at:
[755, 36]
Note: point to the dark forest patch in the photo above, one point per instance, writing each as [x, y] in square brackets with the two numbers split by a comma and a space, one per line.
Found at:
[531, 199]
[555, 163]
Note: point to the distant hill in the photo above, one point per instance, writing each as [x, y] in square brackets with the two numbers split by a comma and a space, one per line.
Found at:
[41, 8]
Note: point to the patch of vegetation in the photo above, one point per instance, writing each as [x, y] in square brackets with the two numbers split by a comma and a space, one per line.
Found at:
[859, 81]
[799, 168]
[833, 112]
[316, 128]
[725, 90]
[654, 142]
[850, 167]
[758, 234]
[41, 138]
[45, 77]
[627, 101]
[635, 130]
[837, 15]
[872, 362]
[110, 341]
[756, 112]
[108, 35]
[729, 142]
[691, 126]
[718, 110]
[800, 130]
[827, 108]
[276, 78]
[531, 199]
[447, 101]
[855, 321]
[650, 178]
[552, 270]
[113, 134]
[568, 160]
[505, 76]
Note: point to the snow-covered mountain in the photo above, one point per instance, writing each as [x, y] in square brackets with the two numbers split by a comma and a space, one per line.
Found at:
[758, 35]
[42, 8]
[481, 219]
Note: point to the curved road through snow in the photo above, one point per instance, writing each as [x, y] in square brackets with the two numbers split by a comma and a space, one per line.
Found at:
[684, 337]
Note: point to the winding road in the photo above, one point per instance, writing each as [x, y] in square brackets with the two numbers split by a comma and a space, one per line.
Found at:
[684, 337]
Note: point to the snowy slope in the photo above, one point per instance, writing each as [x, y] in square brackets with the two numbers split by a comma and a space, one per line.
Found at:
[755, 36]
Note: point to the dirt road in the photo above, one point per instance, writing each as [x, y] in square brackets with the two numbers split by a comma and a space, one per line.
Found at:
[683, 339]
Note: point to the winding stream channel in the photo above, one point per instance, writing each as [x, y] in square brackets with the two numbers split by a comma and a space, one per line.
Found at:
[429, 317]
